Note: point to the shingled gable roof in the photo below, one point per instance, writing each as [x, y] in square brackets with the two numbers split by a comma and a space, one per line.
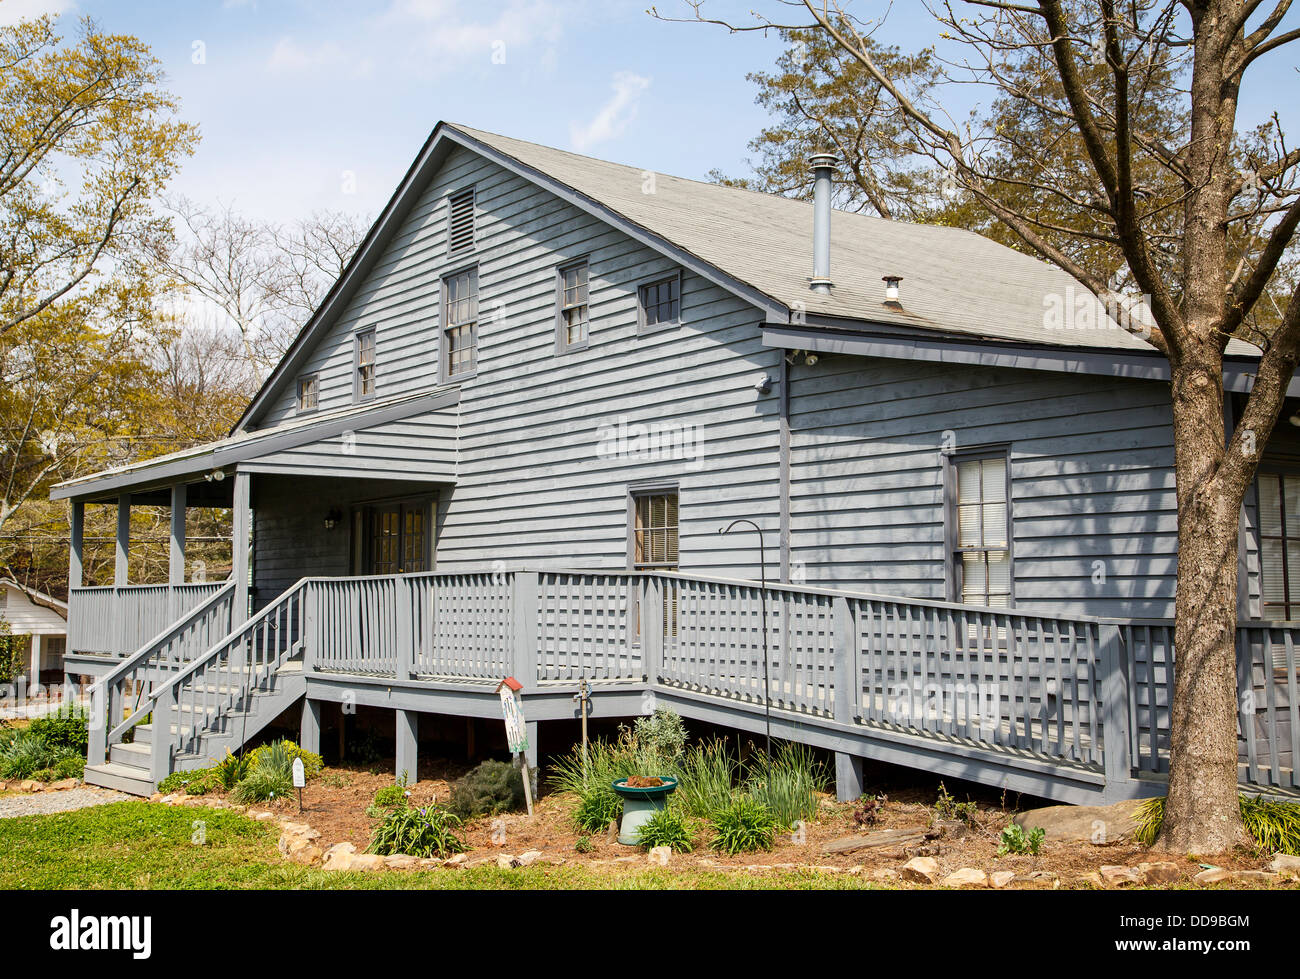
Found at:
[759, 245]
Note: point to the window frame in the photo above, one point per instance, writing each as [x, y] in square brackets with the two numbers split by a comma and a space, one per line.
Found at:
[643, 328]
[358, 344]
[1280, 471]
[472, 247]
[445, 376]
[952, 567]
[637, 492]
[562, 344]
[314, 377]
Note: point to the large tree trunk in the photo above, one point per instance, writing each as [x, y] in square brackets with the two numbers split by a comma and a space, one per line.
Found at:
[1202, 813]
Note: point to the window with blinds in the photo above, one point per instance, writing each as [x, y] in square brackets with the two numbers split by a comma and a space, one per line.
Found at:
[982, 560]
[308, 392]
[573, 306]
[460, 323]
[1279, 545]
[460, 222]
[655, 544]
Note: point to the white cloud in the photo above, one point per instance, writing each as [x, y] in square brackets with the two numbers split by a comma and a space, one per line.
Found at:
[290, 57]
[440, 28]
[12, 11]
[614, 116]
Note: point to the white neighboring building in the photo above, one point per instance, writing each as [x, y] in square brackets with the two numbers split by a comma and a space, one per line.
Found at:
[45, 621]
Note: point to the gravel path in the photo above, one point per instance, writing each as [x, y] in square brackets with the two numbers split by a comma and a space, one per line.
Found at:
[42, 803]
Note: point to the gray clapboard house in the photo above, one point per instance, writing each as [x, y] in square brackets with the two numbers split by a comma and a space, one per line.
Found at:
[508, 440]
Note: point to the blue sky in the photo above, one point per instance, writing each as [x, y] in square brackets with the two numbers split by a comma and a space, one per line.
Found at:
[309, 104]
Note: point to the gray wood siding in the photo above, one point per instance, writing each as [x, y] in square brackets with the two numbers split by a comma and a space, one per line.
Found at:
[1091, 474]
[421, 446]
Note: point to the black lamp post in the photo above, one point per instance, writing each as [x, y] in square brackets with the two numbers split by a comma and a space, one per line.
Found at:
[762, 594]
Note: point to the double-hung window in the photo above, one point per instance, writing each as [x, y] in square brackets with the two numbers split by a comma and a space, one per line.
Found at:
[365, 361]
[981, 534]
[309, 392]
[654, 544]
[573, 315]
[659, 303]
[460, 324]
[1279, 545]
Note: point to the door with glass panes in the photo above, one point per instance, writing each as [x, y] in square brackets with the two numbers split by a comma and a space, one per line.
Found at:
[393, 537]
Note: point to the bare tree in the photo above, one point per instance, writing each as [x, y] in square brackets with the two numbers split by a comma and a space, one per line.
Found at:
[1205, 244]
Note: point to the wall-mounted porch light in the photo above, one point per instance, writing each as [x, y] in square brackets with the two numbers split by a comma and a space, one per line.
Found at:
[332, 519]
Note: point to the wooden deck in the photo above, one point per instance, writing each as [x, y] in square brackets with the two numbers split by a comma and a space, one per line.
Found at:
[1074, 709]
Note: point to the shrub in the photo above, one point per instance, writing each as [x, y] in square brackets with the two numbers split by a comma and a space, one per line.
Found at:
[787, 783]
[390, 796]
[197, 781]
[596, 810]
[427, 832]
[665, 828]
[232, 769]
[74, 767]
[583, 844]
[311, 762]
[492, 787]
[270, 774]
[705, 780]
[28, 753]
[946, 807]
[1014, 839]
[662, 735]
[68, 727]
[744, 825]
[1274, 826]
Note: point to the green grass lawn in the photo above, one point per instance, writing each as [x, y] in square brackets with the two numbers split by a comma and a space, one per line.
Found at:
[142, 845]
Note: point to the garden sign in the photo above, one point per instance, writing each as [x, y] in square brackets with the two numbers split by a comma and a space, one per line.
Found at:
[516, 730]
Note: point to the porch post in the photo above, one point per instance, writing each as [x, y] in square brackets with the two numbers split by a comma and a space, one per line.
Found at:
[848, 695]
[35, 678]
[121, 565]
[309, 732]
[76, 544]
[1115, 693]
[176, 552]
[408, 731]
[239, 549]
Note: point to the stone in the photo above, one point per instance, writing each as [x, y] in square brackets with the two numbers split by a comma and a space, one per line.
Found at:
[1256, 876]
[261, 817]
[401, 861]
[966, 877]
[1286, 865]
[430, 863]
[1213, 876]
[339, 857]
[156, 797]
[1160, 873]
[529, 857]
[478, 862]
[456, 860]
[1000, 879]
[611, 831]
[307, 854]
[660, 855]
[885, 873]
[920, 870]
[952, 828]
[64, 784]
[368, 861]
[507, 861]
[30, 785]
[1118, 876]
[1083, 824]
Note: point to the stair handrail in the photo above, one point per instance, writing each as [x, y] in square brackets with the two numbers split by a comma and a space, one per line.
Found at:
[160, 700]
[101, 736]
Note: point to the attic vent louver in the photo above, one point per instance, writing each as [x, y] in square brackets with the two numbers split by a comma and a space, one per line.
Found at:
[460, 222]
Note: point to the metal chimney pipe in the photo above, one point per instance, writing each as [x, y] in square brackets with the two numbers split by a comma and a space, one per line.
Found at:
[823, 168]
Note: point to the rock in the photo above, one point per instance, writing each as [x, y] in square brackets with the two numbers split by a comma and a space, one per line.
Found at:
[920, 870]
[507, 861]
[954, 829]
[1083, 824]
[1000, 879]
[156, 797]
[368, 861]
[611, 831]
[30, 785]
[529, 857]
[1159, 873]
[307, 854]
[1213, 876]
[1118, 876]
[401, 861]
[1286, 865]
[456, 860]
[1256, 876]
[660, 855]
[339, 857]
[299, 829]
[64, 784]
[432, 863]
[966, 877]
[885, 873]
[261, 817]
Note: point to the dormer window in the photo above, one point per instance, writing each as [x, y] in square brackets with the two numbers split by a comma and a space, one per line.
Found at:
[309, 392]
[460, 222]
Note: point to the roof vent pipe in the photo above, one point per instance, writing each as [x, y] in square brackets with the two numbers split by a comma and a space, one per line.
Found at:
[823, 168]
[891, 287]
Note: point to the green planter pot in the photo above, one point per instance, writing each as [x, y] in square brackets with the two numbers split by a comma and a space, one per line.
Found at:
[639, 805]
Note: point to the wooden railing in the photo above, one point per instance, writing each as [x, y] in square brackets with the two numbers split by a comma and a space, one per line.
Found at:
[127, 683]
[117, 621]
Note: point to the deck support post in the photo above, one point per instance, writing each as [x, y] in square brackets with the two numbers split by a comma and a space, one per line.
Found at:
[76, 546]
[34, 680]
[176, 549]
[848, 695]
[408, 733]
[531, 756]
[121, 566]
[309, 730]
[1115, 693]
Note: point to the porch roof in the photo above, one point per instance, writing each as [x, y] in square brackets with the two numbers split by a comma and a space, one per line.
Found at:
[358, 440]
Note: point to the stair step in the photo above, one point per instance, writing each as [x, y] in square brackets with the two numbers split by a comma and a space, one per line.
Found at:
[124, 778]
[136, 755]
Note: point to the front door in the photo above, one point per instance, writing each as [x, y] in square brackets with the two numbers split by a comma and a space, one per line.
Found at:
[396, 538]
